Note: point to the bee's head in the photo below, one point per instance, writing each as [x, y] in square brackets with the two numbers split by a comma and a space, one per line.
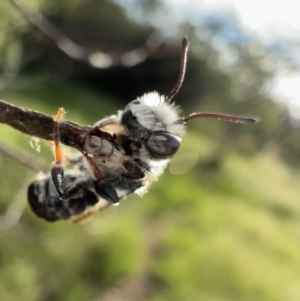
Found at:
[155, 123]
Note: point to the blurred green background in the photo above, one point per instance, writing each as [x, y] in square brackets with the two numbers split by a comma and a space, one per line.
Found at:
[222, 223]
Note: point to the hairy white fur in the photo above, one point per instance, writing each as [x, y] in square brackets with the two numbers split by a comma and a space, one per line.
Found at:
[155, 114]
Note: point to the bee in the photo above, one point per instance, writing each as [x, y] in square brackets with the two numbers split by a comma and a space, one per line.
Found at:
[121, 154]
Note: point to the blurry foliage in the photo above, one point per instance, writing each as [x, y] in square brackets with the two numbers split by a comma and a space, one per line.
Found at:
[227, 230]
[97, 23]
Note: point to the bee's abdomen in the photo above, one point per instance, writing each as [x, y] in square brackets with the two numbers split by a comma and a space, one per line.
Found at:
[45, 203]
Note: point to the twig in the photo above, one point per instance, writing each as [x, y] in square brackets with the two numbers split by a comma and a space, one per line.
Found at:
[15, 209]
[95, 59]
[36, 124]
[28, 161]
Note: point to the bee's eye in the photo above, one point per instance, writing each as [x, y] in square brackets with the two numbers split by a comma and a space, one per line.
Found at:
[162, 144]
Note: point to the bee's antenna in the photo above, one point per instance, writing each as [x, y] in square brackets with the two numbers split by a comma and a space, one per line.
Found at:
[220, 116]
[182, 68]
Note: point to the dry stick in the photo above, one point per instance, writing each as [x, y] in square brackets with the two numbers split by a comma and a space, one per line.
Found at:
[36, 124]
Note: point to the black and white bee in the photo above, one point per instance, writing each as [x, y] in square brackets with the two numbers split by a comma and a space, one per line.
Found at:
[121, 154]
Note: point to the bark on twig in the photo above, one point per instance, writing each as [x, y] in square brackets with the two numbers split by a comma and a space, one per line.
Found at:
[36, 124]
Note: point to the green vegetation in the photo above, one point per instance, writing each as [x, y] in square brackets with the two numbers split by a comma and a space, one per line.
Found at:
[221, 224]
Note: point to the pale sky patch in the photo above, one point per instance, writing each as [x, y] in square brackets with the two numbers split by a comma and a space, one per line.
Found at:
[272, 22]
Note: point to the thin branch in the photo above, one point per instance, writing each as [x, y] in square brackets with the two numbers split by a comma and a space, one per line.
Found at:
[96, 59]
[51, 32]
[39, 125]
[28, 161]
[16, 208]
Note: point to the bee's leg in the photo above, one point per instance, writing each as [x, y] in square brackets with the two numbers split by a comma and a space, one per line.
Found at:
[110, 125]
[95, 131]
[68, 156]
[73, 190]
[107, 121]
[103, 188]
[103, 136]
[57, 170]
[106, 191]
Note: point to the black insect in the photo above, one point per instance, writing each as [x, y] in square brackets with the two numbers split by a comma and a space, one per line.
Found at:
[121, 154]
